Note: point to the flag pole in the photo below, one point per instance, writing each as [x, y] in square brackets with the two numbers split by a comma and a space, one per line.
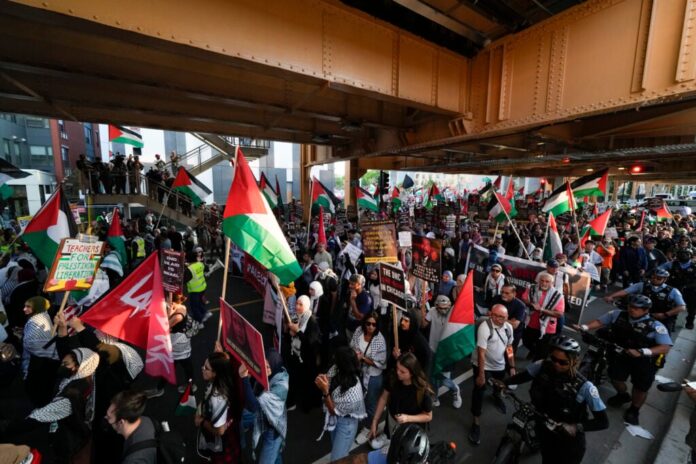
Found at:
[309, 219]
[395, 326]
[571, 203]
[60, 310]
[546, 236]
[514, 229]
[228, 247]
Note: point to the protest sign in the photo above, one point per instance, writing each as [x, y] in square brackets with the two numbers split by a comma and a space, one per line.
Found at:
[392, 285]
[352, 251]
[405, 239]
[426, 255]
[255, 274]
[74, 266]
[379, 242]
[172, 266]
[522, 273]
[23, 221]
[244, 342]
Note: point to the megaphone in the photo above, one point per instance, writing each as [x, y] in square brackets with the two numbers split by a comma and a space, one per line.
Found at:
[218, 265]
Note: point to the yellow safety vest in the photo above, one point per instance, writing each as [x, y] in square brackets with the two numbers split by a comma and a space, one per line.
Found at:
[141, 247]
[197, 283]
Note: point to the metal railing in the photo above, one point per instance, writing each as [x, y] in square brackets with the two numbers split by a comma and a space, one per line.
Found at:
[204, 152]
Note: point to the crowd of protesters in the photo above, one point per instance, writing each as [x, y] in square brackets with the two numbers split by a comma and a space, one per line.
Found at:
[338, 352]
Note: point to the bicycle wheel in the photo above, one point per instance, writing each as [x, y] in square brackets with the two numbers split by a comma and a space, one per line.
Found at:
[507, 453]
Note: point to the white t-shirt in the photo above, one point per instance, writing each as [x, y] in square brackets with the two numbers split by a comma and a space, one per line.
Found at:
[494, 344]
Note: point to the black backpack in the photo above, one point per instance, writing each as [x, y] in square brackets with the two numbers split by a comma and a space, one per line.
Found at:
[171, 448]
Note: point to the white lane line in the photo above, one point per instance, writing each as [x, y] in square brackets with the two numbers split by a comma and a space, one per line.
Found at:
[442, 390]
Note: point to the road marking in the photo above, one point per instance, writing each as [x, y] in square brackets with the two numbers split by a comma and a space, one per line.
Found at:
[442, 390]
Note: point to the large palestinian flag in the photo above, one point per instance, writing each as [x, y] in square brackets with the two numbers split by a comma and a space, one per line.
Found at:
[598, 225]
[322, 197]
[560, 201]
[592, 185]
[49, 226]
[498, 207]
[249, 222]
[458, 337]
[116, 238]
[190, 186]
[365, 200]
[120, 134]
[510, 196]
[553, 244]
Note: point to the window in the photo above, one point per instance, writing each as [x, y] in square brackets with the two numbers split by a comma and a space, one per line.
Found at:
[88, 136]
[37, 122]
[61, 125]
[6, 151]
[37, 150]
[16, 149]
[64, 151]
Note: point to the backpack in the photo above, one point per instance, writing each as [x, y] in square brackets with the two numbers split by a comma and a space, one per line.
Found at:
[487, 320]
[171, 447]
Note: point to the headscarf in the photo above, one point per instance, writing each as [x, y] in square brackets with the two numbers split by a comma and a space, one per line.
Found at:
[446, 287]
[275, 360]
[38, 304]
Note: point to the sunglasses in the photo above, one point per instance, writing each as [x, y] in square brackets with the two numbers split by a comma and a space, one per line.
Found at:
[495, 270]
[560, 362]
[371, 324]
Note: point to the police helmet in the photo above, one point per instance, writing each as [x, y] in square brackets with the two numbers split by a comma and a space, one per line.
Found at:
[661, 273]
[566, 344]
[640, 301]
[684, 254]
[410, 445]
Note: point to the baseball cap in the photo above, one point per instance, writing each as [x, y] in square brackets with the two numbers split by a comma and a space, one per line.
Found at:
[552, 263]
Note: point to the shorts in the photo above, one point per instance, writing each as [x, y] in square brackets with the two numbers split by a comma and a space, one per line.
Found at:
[641, 370]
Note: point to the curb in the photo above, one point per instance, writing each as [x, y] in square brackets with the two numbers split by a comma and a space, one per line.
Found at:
[666, 415]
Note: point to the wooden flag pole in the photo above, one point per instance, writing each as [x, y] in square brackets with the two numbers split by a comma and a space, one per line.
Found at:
[228, 247]
[309, 218]
[514, 229]
[395, 325]
[286, 311]
[546, 236]
[60, 310]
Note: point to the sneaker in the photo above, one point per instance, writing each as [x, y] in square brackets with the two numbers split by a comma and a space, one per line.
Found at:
[475, 435]
[292, 408]
[500, 404]
[436, 401]
[182, 388]
[619, 400]
[690, 325]
[362, 437]
[207, 316]
[379, 442]
[154, 393]
[457, 400]
[631, 416]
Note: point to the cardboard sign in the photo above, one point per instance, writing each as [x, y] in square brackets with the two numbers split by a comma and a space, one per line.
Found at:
[255, 274]
[172, 266]
[405, 239]
[379, 242]
[392, 285]
[352, 251]
[74, 266]
[427, 263]
[244, 342]
[23, 221]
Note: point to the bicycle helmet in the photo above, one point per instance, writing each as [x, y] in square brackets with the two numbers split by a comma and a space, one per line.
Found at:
[640, 301]
[661, 273]
[684, 255]
[409, 445]
[566, 344]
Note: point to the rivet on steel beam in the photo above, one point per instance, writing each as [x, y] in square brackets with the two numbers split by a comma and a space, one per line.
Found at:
[224, 50]
[139, 28]
[46, 4]
[95, 17]
[191, 42]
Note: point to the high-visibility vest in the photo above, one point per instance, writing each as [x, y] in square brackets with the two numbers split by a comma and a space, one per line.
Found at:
[197, 283]
[141, 247]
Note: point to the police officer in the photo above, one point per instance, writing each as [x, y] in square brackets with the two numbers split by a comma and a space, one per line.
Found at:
[194, 276]
[683, 277]
[667, 301]
[138, 252]
[564, 395]
[646, 342]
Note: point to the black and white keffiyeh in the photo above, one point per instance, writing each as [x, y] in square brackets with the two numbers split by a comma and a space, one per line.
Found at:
[346, 403]
[376, 351]
[131, 358]
[37, 332]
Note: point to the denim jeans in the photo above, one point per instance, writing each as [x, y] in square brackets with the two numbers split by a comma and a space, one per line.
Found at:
[271, 444]
[342, 437]
[197, 306]
[374, 390]
[442, 379]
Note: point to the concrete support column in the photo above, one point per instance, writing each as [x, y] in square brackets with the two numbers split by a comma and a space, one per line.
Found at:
[307, 155]
[353, 173]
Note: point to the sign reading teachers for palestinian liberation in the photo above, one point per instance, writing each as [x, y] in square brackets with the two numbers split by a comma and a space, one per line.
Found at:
[379, 242]
[392, 285]
[172, 270]
[74, 266]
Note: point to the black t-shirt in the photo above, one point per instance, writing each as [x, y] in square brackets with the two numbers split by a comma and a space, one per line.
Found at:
[516, 310]
[403, 399]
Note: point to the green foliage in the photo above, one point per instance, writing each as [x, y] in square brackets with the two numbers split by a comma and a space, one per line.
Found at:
[369, 178]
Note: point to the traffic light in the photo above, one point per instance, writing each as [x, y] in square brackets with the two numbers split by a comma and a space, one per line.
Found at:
[384, 182]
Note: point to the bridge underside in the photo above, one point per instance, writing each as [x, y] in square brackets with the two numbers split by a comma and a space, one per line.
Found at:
[605, 83]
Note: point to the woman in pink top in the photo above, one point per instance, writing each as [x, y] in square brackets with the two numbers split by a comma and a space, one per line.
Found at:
[546, 306]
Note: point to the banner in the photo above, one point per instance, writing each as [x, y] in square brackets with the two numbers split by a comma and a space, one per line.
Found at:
[392, 285]
[255, 274]
[426, 255]
[522, 273]
[74, 266]
[244, 342]
[23, 221]
[172, 270]
[405, 239]
[379, 242]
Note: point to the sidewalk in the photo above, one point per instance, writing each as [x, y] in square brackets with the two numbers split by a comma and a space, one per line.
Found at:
[666, 419]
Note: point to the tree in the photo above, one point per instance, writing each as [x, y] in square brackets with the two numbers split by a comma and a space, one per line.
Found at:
[369, 178]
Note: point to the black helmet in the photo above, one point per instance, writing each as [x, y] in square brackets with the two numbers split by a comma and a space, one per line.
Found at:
[684, 254]
[661, 273]
[566, 344]
[640, 301]
[409, 445]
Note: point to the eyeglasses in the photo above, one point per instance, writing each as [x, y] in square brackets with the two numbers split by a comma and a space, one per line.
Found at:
[495, 270]
[560, 362]
[499, 316]
[371, 324]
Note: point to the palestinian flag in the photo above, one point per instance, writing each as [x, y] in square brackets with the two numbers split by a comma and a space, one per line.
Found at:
[187, 402]
[249, 222]
[49, 226]
[598, 225]
[120, 134]
[281, 208]
[510, 196]
[496, 183]
[116, 238]
[435, 193]
[592, 185]
[458, 337]
[9, 172]
[267, 190]
[321, 231]
[663, 213]
[642, 221]
[322, 197]
[190, 186]
[552, 245]
[485, 193]
[396, 199]
[498, 207]
[560, 201]
[365, 200]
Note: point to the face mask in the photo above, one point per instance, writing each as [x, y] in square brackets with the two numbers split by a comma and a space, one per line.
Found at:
[64, 372]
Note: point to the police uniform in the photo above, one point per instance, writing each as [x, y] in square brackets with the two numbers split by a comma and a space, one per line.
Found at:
[664, 298]
[195, 287]
[644, 332]
[563, 398]
[683, 277]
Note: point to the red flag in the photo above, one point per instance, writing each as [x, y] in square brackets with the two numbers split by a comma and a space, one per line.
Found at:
[520, 192]
[599, 224]
[496, 182]
[463, 309]
[321, 232]
[642, 219]
[510, 194]
[571, 199]
[135, 312]
[464, 206]
[595, 210]
[663, 212]
[585, 237]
